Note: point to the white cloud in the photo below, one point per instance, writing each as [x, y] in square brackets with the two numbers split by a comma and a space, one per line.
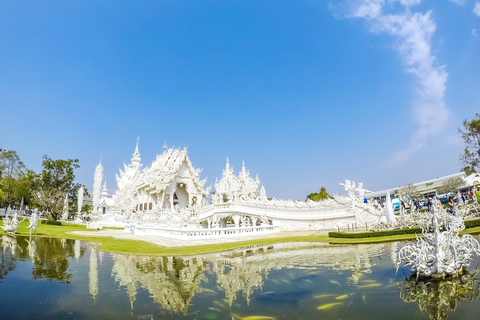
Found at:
[413, 33]
[458, 2]
[474, 32]
[476, 9]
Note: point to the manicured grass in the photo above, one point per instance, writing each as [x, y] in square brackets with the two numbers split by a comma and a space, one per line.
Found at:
[142, 247]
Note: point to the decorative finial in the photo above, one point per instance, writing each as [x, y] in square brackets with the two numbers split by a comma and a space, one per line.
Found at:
[165, 146]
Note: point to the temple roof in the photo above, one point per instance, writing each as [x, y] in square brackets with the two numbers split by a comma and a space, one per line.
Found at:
[168, 165]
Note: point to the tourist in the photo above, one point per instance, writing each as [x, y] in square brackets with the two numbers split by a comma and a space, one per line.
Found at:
[451, 204]
[463, 198]
[430, 204]
[365, 200]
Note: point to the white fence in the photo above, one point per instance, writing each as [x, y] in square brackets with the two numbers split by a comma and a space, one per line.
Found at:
[199, 234]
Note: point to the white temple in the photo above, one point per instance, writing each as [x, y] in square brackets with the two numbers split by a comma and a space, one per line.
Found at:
[169, 199]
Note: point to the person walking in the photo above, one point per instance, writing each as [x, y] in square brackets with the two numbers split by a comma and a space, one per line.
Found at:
[451, 206]
[430, 204]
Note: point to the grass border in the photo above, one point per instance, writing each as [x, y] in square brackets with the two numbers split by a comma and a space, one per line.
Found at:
[141, 247]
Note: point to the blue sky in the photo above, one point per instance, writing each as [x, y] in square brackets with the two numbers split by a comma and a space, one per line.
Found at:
[307, 93]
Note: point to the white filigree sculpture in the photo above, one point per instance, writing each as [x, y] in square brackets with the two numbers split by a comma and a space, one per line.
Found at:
[442, 253]
[97, 186]
[11, 223]
[65, 208]
[80, 200]
[389, 210]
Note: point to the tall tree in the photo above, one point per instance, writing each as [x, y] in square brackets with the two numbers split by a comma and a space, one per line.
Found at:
[471, 137]
[409, 191]
[11, 169]
[56, 181]
[451, 185]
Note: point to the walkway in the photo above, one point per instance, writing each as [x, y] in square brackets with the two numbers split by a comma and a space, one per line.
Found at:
[173, 243]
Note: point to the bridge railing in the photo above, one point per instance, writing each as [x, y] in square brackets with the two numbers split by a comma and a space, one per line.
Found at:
[200, 234]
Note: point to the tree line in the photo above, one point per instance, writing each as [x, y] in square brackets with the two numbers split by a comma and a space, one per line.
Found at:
[46, 190]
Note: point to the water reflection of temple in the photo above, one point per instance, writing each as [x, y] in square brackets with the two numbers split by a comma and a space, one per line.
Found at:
[174, 281]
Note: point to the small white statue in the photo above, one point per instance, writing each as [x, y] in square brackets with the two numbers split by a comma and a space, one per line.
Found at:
[33, 221]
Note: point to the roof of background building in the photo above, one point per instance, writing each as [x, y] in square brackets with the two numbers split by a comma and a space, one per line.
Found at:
[423, 187]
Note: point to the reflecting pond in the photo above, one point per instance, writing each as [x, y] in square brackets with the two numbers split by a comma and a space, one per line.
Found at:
[46, 278]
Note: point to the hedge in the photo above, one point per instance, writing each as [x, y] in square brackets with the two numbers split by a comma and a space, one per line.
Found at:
[472, 223]
[374, 233]
[370, 234]
[51, 222]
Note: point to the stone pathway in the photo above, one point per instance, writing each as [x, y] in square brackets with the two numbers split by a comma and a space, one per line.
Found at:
[172, 243]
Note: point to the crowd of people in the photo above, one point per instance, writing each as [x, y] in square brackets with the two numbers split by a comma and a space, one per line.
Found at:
[431, 202]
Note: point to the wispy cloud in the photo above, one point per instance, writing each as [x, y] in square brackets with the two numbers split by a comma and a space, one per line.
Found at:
[474, 32]
[458, 2]
[413, 33]
[476, 9]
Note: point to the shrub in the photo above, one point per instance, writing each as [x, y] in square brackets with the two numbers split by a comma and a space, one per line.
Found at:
[51, 222]
[374, 233]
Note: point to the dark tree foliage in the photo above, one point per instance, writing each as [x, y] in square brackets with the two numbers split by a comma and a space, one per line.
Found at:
[56, 181]
[11, 170]
[322, 195]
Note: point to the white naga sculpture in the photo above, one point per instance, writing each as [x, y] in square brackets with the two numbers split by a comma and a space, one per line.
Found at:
[442, 253]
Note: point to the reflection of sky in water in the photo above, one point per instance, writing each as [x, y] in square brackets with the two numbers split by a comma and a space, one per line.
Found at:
[71, 280]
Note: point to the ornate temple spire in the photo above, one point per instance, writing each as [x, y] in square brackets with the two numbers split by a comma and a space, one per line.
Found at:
[104, 193]
[136, 155]
[165, 147]
[228, 169]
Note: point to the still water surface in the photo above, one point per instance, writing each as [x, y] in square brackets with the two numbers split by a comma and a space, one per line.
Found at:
[42, 278]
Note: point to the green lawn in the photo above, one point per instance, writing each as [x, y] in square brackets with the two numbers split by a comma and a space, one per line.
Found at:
[142, 247]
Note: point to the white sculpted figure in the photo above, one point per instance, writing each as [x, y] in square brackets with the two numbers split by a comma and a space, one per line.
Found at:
[361, 191]
[33, 221]
[11, 223]
[349, 188]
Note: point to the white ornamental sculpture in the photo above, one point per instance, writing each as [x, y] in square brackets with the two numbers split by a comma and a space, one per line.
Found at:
[11, 223]
[65, 208]
[389, 210]
[126, 182]
[80, 200]
[442, 253]
[33, 221]
[97, 186]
